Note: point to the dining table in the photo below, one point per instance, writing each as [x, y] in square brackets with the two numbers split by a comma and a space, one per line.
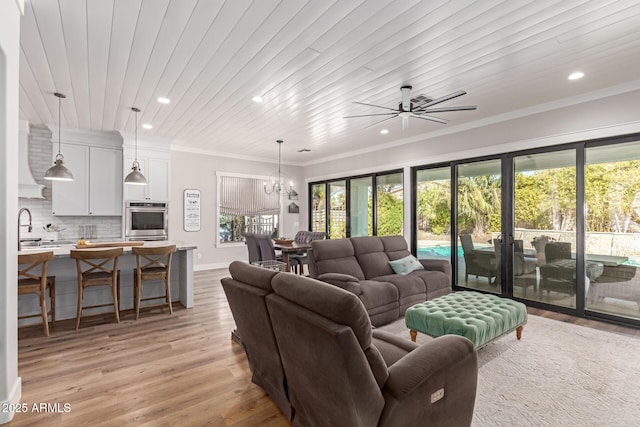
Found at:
[288, 248]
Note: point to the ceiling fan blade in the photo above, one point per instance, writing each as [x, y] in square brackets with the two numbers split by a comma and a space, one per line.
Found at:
[378, 106]
[369, 115]
[439, 100]
[383, 120]
[431, 118]
[445, 109]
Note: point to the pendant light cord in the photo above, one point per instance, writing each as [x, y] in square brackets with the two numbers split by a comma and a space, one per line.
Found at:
[59, 121]
[136, 110]
[59, 96]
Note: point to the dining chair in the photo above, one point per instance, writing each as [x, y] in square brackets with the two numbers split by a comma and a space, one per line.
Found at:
[152, 264]
[100, 269]
[252, 247]
[305, 237]
[33, 279]
[268, 257]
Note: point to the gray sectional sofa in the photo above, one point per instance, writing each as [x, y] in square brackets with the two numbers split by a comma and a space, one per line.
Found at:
[361, 265]
[311, 346]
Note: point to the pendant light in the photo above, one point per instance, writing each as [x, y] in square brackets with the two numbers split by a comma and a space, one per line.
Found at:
[58, 172]
[278, 182]
[135, 177]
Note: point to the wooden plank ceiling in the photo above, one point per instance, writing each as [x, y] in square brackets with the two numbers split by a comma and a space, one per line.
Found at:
[310, 60]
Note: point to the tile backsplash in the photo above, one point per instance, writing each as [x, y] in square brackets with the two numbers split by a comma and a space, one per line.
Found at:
[71, 227]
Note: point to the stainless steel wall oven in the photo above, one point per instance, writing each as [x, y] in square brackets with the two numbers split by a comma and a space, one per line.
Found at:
[146, 220]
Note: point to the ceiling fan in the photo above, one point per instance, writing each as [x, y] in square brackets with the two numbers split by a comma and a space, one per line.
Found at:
[419, 107]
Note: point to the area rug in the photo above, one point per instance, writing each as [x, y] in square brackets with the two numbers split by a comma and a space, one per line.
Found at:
[559, 374]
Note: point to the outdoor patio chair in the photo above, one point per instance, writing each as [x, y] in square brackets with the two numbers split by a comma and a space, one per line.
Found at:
[477, 263]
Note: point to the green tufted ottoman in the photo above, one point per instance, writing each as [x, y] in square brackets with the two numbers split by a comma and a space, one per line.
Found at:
[476, 316]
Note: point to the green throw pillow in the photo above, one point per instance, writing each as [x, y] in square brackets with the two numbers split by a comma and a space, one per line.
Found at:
[406, 265]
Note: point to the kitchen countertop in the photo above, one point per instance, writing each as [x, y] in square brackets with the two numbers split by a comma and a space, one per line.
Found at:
[64, 269]
[63, 249]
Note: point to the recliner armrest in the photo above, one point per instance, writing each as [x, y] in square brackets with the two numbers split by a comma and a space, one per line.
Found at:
[448, 365]
[437, 265]
[344, 281]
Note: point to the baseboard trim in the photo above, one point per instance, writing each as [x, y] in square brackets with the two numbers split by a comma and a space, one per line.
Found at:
[13, 399]
[213, 266]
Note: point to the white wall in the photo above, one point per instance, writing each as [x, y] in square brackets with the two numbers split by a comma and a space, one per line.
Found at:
[10, 390]
[198, 171]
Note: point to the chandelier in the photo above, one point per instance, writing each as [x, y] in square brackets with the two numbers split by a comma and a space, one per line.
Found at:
[278, 182]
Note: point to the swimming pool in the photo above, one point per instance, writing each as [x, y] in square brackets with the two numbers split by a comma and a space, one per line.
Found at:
[438, 251]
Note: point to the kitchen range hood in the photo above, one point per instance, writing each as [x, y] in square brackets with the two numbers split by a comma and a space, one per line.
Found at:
[27, 185]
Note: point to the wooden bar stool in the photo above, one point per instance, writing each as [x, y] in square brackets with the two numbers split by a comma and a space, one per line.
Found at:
[102, 271]
[32, 282]
[153, 263]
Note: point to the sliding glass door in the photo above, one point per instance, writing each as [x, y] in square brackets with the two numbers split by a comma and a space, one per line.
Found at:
[337, 209]
[545, 223]
[318, 208]
[612, 219]
[432, 225]
[558, 227]
[389, 204]
[361, 206]
[479, 224]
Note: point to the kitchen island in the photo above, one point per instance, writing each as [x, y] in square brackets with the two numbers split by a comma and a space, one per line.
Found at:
[64, 268]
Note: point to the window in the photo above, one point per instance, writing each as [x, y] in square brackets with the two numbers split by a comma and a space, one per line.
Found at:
[243, 206]
[364, 205]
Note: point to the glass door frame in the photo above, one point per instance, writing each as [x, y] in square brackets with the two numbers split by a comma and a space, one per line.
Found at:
[508, 203]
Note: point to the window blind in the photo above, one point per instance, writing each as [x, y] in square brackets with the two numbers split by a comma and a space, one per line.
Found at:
[241, 196]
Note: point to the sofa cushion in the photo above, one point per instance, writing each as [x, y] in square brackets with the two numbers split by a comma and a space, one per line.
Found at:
[406, 265]
[370, 254]
[331, 302]
[395, 247]
[434, 281]
[335, 256]
[407, 285]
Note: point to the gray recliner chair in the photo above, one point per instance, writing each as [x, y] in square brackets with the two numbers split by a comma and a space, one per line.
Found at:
[338, 376]
[246, 291]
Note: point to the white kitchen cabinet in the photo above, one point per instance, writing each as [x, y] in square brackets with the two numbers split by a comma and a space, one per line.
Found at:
[155, 168]
[72, 197]
[97, 186]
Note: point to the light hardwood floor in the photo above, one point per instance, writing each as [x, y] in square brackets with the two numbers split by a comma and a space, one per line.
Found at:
[162, 370]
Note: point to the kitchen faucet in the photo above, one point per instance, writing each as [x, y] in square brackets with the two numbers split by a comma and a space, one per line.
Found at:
[20, 225]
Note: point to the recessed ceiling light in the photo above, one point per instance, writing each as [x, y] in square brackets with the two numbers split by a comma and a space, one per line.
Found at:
[576, 75]
[147, 126]
[384, 131]
[163, 100]
[257, 98]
